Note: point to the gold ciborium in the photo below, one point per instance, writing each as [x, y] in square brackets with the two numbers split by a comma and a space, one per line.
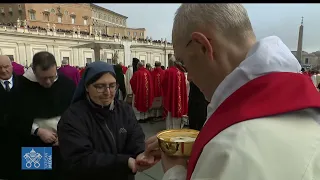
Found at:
[177, 142]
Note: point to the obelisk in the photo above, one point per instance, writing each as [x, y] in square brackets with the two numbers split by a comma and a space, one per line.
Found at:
[300, 41]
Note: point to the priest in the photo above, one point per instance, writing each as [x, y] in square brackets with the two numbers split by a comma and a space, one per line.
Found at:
[9, 81]
[40, 99]
[263, 116]
[121, 91]
[69, 71]
[143, 93]
[18, 69]
[127, 79]
[175, 98]
[157, 78]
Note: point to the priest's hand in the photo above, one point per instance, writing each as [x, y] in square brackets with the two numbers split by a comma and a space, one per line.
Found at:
[144, 162]
[170, 161]
[152, 147]
[46, 135]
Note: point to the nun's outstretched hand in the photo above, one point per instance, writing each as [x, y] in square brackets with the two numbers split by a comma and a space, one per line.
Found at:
[144, 161]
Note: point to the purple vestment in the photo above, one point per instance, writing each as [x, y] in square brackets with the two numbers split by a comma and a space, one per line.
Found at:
[70, 72]
[18, 69]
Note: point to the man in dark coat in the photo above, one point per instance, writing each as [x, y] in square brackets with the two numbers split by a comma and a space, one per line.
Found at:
[120, 79]
[9, 82]
[35, 111]
[197, 107]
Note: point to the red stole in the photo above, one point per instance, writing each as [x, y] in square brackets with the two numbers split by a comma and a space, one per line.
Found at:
[268, 95]
[174, 89]
[142, 88]
[157, 77]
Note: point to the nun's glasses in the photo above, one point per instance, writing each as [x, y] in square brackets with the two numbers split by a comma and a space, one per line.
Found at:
[103, 87]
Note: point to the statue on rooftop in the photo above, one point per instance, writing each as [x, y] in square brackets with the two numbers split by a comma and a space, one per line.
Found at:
[78, 29]
[18, 23]
[115, 57]
[54, 27]
[48, 26]
[25, 23]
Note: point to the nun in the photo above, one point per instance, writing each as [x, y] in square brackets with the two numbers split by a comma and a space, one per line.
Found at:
[99, 136]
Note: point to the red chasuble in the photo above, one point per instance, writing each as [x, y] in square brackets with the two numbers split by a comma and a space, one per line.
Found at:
[157, 77]
[268, 95]
[124, 69]
[142, 88]
[174, 89]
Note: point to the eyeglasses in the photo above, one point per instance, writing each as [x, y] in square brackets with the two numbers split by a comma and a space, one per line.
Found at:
[197, 42]
[189, 42]
[103, 87]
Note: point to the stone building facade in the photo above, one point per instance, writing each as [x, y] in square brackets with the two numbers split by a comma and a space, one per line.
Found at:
[64, 16]
[88, 17]
[22, 43]
[309, 60]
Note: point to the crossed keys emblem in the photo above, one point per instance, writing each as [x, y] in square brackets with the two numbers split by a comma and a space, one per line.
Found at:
[33, 157]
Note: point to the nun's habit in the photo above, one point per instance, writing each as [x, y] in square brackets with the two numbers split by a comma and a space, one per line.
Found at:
[96, 142]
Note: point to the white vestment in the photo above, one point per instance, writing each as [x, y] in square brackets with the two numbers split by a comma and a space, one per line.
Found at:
[314, 80]
[127, 79]
[140, 115]
[278, 147]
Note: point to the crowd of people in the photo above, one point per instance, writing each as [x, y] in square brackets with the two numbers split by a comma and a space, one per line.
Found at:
[262, 117]
[84, 33]
[60, 107]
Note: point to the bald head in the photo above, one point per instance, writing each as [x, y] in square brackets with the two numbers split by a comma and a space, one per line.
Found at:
[229, 20]
[5, 68]
[171, 61]
[157, 64]
[4, 58]
[211, 40]
[140, 64]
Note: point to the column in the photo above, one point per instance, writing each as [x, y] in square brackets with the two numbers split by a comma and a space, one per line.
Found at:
[56, 52]
[75, 57]
[22, 54]
[50, 49]
[127, 53]
[96, 50]
[29, 54]
[80, 58]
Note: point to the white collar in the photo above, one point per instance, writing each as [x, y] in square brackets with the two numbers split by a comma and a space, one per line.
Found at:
[10, 80]
[267, 55]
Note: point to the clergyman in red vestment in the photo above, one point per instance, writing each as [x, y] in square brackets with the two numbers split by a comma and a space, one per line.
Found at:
[143, 94]
[157, 78]
[175, 98]
[264, 115]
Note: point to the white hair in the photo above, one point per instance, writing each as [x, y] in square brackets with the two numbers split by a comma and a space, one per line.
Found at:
[230, 20]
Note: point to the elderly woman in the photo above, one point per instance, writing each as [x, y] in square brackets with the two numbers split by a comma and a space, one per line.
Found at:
[99, 136]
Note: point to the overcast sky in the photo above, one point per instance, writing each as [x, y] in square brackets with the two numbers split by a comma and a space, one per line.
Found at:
[282, 20]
